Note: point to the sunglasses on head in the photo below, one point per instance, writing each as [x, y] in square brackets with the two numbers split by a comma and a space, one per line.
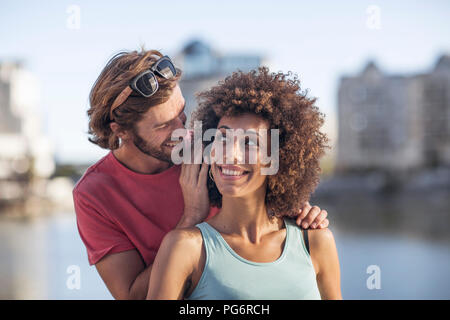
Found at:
[146, 83]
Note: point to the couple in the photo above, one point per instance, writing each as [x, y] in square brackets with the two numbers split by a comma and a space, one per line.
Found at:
[131, 199]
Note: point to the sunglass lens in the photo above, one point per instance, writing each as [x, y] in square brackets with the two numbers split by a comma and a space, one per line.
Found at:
[166, 69]
[147, 84]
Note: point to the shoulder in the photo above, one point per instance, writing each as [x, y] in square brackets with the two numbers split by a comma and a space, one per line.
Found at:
[94, 177]
[315, 236]
[321, 241]
[323, 248]
[183, 239]
[320, 236]
[181, 249]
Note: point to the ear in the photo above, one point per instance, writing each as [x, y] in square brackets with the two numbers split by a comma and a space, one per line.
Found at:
[122, 134]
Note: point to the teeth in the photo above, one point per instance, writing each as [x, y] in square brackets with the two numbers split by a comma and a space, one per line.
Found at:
[232, 172]
[173, 144]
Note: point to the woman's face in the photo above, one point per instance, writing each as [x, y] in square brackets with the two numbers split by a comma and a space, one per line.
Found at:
[236, 173]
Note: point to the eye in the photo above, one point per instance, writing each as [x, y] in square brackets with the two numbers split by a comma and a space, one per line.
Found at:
[163, 126]
[251, 142]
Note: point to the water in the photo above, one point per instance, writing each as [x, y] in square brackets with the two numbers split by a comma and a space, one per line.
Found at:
[411, 267]
[35, 255]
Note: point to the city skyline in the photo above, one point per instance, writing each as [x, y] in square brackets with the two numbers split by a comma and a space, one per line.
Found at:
[394, 122]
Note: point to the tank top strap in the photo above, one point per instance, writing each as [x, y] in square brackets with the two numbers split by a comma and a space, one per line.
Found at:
[296, 240]
[211, 239]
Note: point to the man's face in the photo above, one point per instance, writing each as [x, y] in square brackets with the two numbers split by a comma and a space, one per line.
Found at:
[151, 135]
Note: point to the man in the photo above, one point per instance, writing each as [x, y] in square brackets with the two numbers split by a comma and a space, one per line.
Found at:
[127, 201]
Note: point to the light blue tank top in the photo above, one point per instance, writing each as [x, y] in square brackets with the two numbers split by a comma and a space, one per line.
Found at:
[227, 275]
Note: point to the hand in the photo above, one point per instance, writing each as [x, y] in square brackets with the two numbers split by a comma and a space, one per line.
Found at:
[312, 217]
[195, 193]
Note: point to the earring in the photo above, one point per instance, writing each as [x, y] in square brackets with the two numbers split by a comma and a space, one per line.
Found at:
[210, 175]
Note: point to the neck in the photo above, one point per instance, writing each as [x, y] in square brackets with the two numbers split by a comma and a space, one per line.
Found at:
[137, 161]
[247, 216]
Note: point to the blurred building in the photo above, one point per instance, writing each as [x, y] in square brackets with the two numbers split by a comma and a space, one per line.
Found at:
[394, 122]
[24, 150]
[203, 67]
[436, 113]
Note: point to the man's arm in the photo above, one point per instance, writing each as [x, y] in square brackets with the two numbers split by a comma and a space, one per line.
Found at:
[125, 274]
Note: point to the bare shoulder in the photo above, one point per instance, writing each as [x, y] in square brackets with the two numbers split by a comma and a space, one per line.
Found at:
[184, 238]
[321, 243]
[176, 260]
[320, 237]
[323, 250]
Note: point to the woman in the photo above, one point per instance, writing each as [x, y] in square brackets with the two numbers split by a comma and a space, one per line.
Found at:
[252, 249]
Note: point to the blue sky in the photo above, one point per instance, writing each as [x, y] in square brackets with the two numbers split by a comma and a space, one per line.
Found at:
[319, 40]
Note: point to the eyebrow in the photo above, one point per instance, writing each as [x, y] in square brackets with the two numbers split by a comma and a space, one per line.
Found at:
[163, 123]
[254, 132]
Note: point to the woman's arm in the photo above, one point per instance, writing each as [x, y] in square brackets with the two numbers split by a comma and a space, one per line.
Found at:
[326, 263]
[173, 266]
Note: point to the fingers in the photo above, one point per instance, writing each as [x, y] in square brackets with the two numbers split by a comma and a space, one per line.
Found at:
[305, 210]
[198, 155]
[298, 221]
[203, 175]
[182, 178]
[191, 174]
[182, 170]
[310, 216]
[319, 219]
[324, 224]
[194, 174]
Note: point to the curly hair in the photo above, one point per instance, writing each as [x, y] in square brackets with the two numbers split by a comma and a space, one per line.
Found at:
[276, 97]
[116, 76]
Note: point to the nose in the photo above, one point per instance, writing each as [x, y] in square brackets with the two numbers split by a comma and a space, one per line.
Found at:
[181, 121]
[234, 151]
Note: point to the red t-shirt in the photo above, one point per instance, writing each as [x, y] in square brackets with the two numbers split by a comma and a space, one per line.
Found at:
[118, 209]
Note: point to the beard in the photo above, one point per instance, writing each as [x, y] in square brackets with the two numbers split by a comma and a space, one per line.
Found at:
[152, 151]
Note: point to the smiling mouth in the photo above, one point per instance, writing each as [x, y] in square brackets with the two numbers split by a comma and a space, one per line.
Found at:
[232, 171]
[171, 144]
